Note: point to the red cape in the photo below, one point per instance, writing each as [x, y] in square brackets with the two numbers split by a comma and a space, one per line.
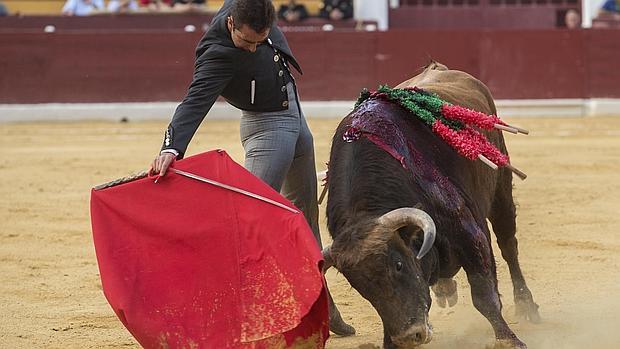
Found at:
[185, 264]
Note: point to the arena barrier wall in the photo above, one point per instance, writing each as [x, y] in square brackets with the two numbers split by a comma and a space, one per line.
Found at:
[153, 66]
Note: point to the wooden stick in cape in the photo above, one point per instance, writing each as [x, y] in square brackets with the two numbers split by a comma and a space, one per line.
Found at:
[506, 128]
[519, 129]
[487, 162]
[516, 171]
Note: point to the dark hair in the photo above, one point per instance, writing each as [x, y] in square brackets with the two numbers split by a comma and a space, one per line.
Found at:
[259, 15]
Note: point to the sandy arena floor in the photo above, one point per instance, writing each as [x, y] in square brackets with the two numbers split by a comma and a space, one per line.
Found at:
[569, 215]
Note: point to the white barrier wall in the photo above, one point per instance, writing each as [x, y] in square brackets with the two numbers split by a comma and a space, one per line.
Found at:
[333, 109]
[372, 10]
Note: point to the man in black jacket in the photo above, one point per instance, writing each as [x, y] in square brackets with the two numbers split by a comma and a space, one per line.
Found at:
[245, 58]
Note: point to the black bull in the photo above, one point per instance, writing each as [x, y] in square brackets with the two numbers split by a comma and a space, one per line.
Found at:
[380, 210]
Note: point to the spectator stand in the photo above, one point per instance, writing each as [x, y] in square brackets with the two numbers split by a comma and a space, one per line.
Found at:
[603, 22]
[45, 15]
[34, 7]
[39, 15]
[134, 22]
[314, 24]
[54, 7]
[607, 15]
[477, 14]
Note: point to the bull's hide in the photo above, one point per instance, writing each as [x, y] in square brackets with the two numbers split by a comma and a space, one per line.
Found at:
[185, 264]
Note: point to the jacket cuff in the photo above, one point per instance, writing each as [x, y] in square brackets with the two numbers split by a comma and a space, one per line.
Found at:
[171, 151]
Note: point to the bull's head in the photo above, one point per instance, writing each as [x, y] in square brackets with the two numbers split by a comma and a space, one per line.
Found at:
[378, 259]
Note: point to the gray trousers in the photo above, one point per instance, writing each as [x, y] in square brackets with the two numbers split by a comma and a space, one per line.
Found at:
[279, 149]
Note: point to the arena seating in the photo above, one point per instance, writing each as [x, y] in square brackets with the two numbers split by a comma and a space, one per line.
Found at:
[571, 3]
[474, 14]
[605, 20]
[417, 14]
[313, 6]
[43, 7]
[54, 7]
[158, 23]
[36, 18]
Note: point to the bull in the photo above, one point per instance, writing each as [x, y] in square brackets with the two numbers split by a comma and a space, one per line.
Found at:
[401, 228]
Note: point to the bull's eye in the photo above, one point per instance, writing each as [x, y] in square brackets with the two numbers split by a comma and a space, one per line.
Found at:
[399, 266]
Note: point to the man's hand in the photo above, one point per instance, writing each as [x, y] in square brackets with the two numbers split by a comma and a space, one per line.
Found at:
[161, 163]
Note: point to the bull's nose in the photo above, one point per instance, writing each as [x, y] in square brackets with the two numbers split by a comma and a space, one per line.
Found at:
[415, 335]
[420, 334]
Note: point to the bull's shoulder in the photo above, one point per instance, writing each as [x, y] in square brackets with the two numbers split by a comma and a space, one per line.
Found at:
[456, 87]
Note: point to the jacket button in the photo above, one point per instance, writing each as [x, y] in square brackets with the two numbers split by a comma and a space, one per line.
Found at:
[283, 88]
[280, 73]
[276, 58]
[285, 104]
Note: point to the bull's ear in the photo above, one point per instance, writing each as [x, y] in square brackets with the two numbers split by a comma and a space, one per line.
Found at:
[409, 233]
[400, 218]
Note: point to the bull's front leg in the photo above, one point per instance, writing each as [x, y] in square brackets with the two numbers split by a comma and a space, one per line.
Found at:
[486, 299]
[503, 219]
[479, 264]
[446, 292]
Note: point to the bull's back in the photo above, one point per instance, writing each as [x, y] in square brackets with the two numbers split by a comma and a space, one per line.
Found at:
[460, 88]
[475, 181]
[454, 86]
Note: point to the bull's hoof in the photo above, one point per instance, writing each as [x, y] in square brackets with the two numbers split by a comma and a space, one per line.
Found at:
[527, 309]
[509, 344]
[445, 292]
[450, 300]
[339, 327]
[453, 298]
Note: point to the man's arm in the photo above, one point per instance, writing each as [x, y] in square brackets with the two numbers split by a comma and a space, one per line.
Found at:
[212, 72]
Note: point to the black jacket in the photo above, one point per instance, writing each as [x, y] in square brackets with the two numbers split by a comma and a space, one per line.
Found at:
[222, 69]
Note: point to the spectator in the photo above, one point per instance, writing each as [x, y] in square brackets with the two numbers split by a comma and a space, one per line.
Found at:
[292, 12]
[572, 19]
[3, 10]
[82, 7]
[337, 9]
[610, 9]
[189, 5]
[156, 5]
[122, 6]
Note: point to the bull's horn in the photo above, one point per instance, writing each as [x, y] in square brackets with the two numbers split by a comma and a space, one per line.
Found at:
[327, 257]
[405, 216]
